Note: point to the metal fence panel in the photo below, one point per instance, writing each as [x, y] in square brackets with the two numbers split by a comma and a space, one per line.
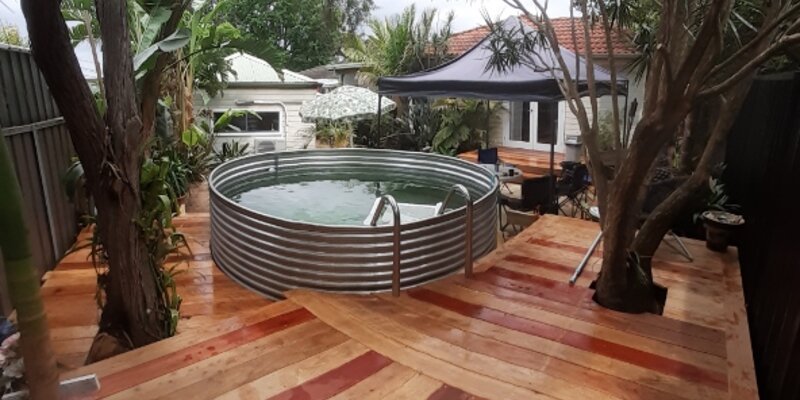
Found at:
[763, 158]
[41, 150]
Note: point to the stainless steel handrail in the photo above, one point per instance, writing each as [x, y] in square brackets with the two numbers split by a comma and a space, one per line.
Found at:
[396, 238]
[468, 246]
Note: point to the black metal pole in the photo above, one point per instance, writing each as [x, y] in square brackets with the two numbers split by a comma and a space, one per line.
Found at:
[486, 134]
[380, 97]
[553, 172]
[625, 113]
[553, 155]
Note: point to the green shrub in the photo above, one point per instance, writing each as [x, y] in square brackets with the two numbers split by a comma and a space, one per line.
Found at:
[464, 124]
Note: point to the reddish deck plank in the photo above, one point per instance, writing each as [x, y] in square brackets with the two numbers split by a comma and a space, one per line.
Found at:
[148, 370]
[447, 392]
[337, 380]
[524, 357]
[576, 339]
[564, 246]
[543, 287]
[488, 314]
[674, 333]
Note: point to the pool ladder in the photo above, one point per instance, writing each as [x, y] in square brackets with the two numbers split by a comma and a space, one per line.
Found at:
[396, 231]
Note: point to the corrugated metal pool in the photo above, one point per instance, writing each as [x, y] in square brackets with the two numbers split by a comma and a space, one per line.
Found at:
[293, 219]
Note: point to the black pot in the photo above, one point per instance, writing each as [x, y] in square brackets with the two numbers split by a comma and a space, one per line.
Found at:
[718, 234]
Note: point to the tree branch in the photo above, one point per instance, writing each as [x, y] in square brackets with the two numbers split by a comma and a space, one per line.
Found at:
[660, 220]
[612, 68]
[763, 33]
[87, 22]
[699, 50]
[56, 58]
[590, 81]
[751, 65]
[567, 85]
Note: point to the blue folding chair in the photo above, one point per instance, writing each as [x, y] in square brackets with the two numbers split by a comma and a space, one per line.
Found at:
[488, 156]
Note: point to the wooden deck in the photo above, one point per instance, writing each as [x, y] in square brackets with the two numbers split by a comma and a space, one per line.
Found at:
[69, 293]
[530, 162]
[516, 330]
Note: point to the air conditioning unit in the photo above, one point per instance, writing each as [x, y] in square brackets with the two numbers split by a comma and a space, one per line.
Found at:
[268, 145]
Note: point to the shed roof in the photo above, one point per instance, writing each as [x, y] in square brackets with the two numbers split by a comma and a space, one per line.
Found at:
[250, 68]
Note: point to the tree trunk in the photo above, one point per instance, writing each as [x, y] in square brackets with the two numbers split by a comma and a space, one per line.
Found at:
[41, 372]
[133, 304]
[615, 287]
[698, 129]
[110, 152]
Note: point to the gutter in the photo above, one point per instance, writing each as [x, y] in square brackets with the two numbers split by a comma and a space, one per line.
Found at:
[276, 85]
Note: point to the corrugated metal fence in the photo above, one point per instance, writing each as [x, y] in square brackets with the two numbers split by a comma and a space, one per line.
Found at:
[763, 158]
[41, 149]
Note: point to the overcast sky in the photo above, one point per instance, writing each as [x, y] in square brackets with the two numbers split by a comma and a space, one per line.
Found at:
[468, 14]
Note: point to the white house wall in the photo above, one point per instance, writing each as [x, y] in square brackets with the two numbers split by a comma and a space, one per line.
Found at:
[500, 126]
[568, 125]
[294, 134]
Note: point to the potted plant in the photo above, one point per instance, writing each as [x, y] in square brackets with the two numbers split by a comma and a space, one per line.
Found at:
[324, 135]
[719, 226]
[342, 135]
[719, 217]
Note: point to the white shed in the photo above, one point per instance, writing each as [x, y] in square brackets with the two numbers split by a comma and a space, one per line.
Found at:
[276, 98]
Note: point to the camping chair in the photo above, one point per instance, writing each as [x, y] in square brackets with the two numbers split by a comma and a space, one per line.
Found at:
[656, 192]
[534, 200]
[490, 157]
[572, 186]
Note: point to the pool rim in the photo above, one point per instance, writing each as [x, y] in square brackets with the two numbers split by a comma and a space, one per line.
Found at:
[467, 164]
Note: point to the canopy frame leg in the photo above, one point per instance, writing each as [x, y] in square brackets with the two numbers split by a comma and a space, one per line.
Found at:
[380, 133]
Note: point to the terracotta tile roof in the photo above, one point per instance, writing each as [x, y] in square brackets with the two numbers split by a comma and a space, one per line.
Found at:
[462, 41]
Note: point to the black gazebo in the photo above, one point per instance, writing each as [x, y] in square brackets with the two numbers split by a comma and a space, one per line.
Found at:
[469, 76]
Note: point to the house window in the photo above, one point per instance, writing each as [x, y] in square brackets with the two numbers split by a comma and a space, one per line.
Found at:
[262, 121]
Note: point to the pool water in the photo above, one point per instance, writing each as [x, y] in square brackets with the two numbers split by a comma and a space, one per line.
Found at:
[333, 201]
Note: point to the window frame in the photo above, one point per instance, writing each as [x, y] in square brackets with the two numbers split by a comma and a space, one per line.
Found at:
[280, 133]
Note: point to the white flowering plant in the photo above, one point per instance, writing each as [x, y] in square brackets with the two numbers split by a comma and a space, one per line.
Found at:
[12, 368]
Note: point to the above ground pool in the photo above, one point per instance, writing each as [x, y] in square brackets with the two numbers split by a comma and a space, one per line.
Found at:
[314, 218]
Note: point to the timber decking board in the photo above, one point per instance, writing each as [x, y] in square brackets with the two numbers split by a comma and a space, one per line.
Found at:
[530, 162]
[339, 379]
[69, 290]
[513, 319]
[516, 330]
[169, 363]
[529, 358]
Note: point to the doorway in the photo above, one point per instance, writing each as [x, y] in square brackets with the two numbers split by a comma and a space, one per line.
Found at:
[535, 126]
